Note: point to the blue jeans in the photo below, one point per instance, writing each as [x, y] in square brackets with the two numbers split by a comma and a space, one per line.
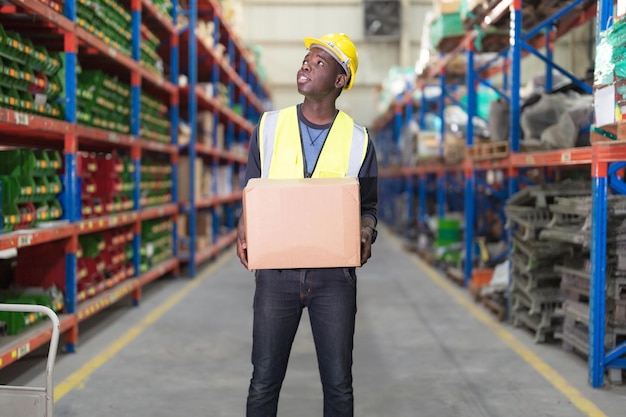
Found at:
[281, 295]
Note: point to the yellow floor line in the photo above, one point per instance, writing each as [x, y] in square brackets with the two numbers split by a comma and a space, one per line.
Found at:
[78, 378]
[552, 376]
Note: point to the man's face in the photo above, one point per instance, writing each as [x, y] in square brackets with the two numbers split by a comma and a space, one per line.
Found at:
[319, 74]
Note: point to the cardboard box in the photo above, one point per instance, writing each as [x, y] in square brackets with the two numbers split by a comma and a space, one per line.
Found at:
[184, 170]
[446, 6]
[302, 223]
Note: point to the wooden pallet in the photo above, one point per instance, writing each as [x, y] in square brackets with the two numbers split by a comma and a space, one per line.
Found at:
[474, 290]
[498, 310]
[456, 275]
[488, 150]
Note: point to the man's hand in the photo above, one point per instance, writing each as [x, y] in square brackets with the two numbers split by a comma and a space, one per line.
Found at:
[242, 247]
[366, 243]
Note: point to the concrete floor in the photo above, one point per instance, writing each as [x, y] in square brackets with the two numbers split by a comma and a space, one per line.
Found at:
[423, 348]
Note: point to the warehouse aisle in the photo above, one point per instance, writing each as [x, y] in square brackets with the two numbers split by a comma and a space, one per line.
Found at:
[423, 348]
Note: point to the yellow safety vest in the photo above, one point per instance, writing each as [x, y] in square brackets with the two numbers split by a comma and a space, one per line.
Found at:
[280, 146]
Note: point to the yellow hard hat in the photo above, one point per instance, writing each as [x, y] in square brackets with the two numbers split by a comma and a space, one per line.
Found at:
[342, 49]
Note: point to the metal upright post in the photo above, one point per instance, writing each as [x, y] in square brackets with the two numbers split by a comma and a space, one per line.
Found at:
[442, 109]
[72, 192]
[441, 180]
[423, 193]
[409, 180]
[423, 106]
[515, 84]
[598, 274]
[174, 120]
[192, 59]
[470, 197]
[215, 163]
[135, 129]
[230, 133]
[597, 294]
[441, 193]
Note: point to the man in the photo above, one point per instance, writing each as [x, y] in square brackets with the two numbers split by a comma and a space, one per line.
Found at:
[312, 139]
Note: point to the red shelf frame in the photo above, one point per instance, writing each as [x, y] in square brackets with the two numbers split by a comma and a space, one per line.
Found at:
[46, 13]
[560, 157]
[30, 237]
[40, 334]
[161, 211]
[98, 224]
[100, 302]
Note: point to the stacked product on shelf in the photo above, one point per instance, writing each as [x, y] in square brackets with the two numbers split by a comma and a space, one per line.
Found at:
[150, 59]
[203, 232]
[12, 323]
[536, 299]
[575, 272]
[105, 184]
[105, 260]
[31, 79]
[124, 199]
[609, 78]
[156, 183]
[30, 187]
[156, 242]
[165, 7]
[155, 124]
[103, 101]
[108, 21]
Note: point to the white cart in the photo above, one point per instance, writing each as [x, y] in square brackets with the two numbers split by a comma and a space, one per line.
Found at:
[32, 401]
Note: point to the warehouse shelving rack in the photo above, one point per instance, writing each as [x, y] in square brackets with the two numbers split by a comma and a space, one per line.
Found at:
[245, 90]
[61, 31]
[605, 158]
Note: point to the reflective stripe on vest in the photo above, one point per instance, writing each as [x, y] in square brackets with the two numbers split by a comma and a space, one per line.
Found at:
[280, 147]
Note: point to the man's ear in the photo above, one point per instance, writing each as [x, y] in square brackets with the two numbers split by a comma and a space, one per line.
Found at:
[340, 81]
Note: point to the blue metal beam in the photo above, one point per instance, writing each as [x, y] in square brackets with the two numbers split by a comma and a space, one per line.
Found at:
[441, 195]
[423, 189]
[492, 61]
[615, 354]
[516, 75]
[487, 83]
[442, 107]
[192, 59]
[550, 20]
[470, 175]
[562, 70]
[597, 307]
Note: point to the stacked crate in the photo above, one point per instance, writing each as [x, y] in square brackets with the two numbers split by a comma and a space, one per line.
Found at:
[164, 6]
[31, 79]
[124, 199]
[30, 187]
[105, 258]
[575, 272]
[16, 322]
[155, 123]
[105, 184]
[535, 297]
[156, 183]
[156, 242]
[108, 21]
[150, 59]
[103, 102]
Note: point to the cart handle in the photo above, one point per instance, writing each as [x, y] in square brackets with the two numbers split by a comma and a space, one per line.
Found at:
[54, 343]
